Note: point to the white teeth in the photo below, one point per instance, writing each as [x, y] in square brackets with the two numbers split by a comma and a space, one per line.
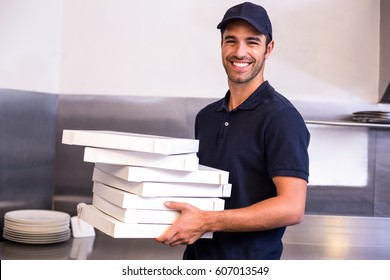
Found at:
[241, 64]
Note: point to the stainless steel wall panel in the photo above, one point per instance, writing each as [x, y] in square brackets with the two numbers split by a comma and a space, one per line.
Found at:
[382, 174]
[27, 141]
[346, 200]
[193, 105]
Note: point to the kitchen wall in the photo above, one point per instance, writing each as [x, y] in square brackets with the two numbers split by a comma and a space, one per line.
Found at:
[30, 44]
[326, 50]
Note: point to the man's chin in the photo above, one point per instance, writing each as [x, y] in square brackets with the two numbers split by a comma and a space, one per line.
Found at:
[239, 80]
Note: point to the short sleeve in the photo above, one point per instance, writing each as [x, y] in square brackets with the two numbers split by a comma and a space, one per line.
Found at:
[287, 140]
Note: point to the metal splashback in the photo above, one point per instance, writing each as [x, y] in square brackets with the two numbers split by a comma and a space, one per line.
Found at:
[27, 150]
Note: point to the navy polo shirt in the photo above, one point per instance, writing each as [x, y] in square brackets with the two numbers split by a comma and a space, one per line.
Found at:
[263, 137]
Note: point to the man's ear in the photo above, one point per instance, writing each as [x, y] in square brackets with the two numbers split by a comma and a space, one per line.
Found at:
[270, 48]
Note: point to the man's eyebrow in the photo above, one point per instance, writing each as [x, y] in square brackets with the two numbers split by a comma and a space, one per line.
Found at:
[228, 37]
[253, 38]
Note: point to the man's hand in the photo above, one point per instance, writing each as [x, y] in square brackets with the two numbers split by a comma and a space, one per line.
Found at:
[286, 208]
[187, 228]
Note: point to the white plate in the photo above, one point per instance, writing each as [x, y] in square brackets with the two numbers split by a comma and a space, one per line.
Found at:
[37, 217]
[36, 235]
[35, 239]
[47, 229]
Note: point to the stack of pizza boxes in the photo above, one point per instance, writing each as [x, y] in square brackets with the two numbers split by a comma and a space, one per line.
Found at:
[134, 174]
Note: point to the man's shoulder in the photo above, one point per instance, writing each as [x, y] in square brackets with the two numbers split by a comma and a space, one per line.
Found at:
[277, 101]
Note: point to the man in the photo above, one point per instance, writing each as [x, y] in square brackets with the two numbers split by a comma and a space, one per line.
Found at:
[260, 138]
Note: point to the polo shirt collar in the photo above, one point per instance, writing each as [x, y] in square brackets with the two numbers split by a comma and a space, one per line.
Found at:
[256, 98]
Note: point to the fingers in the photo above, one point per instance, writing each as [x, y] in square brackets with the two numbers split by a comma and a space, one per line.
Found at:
[174, 237]
[185, 230]
[169, 238]
[174, 241]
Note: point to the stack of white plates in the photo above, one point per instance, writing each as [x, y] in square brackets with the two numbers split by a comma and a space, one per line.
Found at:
[36, 226]
[372, 117]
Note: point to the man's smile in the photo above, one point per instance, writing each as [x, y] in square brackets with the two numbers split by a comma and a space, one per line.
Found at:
[241, 64]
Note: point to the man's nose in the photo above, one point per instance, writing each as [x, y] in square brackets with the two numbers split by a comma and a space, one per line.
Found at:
[241, 49]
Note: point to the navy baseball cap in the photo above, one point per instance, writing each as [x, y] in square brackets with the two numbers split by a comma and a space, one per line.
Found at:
[253, 14]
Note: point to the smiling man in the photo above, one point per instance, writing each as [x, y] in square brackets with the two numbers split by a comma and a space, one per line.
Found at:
[257, 135]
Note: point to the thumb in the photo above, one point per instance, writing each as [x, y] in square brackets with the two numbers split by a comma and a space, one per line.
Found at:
[174, 205]
[171, 205]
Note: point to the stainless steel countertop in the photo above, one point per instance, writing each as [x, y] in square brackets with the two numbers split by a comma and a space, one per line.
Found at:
[100, 247]
[316, 238]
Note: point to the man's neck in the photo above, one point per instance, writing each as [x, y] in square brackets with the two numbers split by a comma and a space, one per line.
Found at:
[240, 92]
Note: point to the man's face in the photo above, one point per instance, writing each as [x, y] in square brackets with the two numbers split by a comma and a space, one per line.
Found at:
[244, 51]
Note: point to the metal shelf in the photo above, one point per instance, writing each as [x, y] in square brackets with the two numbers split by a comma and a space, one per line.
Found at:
[348, 123]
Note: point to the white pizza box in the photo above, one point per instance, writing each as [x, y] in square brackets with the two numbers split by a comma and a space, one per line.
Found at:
[118, 229]
[130, 141]
[135, 216]
[158, 189]
[204, 174]
[133, 201]
[183, 162]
